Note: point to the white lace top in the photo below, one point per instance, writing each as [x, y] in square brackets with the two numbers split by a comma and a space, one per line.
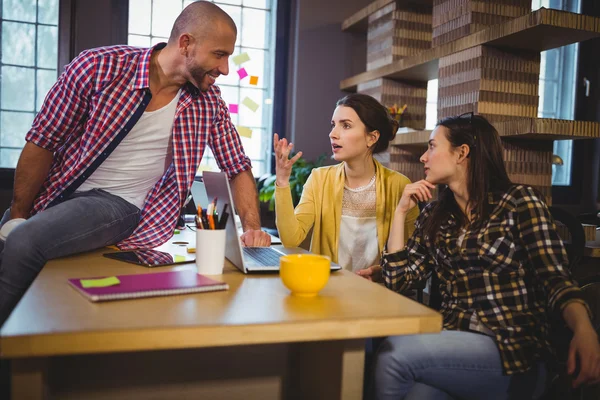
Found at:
[358, 246]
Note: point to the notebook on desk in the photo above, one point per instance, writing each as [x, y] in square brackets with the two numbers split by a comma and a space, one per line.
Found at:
[145, 285]
[246, 259]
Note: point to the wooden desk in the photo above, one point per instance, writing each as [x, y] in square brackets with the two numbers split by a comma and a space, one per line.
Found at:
[252, 341]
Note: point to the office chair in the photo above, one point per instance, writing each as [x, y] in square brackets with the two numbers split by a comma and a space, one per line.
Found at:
[573, 235]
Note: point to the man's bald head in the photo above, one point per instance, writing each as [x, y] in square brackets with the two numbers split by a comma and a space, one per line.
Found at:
[199, 18]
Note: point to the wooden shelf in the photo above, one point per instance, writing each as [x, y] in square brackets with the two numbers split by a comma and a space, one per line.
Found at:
[540, 30]
[548, 128]
[525, 128]
[412, 138]
[358, 21]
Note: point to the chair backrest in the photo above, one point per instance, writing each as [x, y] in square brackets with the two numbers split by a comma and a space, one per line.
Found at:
[572, 235]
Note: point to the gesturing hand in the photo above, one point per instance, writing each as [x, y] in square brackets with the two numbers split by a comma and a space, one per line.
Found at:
[413, 193]
[283, 164]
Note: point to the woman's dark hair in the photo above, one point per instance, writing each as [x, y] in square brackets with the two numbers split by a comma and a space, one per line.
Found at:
[375, 117]
[487, 172]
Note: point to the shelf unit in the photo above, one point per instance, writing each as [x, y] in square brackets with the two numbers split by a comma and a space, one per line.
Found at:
[541, 30]
[486, 56]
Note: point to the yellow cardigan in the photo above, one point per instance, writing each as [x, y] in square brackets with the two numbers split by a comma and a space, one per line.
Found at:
[320, 207]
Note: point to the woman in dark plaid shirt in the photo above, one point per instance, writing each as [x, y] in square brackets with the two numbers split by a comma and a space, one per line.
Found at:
[502, 272]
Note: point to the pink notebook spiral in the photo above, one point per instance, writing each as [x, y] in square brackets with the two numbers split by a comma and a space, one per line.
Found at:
[150, 285]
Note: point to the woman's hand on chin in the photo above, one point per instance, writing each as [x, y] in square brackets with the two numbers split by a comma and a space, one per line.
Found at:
[414, 193]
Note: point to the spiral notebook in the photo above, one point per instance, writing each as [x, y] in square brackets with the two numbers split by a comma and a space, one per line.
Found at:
[145, 285]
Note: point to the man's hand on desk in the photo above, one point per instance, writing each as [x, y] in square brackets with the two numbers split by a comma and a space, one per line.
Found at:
[255, 238]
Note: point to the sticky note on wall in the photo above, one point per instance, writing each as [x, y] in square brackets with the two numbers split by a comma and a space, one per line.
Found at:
[233, 108]
[241, 58]
[242, 73]
[254, 80]
[245, 132]
[251, 104]
[204, 167]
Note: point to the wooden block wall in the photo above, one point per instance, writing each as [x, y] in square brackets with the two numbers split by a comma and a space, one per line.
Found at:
[396, 31]
[529, 162]
[406, 161]
[389, 92]
[454, 19]
[499, 84]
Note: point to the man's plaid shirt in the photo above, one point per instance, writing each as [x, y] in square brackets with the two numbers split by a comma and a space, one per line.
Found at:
[507, 275]
[95, 100]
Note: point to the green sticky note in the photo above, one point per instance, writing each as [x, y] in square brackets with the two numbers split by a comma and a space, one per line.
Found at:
[179, 258]
[102, 282]
[241, 58]
[177, 232]
[251, 104]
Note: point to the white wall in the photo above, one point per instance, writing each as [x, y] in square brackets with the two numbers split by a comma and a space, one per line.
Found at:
[321, 55]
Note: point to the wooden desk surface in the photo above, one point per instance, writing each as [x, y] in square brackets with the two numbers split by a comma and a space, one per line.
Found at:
[54, 319]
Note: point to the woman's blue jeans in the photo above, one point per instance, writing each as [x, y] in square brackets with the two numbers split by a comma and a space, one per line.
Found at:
[449, 365]
[85, 221]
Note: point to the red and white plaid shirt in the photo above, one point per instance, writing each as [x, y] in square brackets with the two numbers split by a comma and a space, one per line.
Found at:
[100, 96]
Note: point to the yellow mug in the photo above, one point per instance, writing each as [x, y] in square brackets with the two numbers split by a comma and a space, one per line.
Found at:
[304, 274]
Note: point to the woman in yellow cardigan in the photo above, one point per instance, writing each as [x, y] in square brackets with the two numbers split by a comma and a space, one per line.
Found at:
[349, 205]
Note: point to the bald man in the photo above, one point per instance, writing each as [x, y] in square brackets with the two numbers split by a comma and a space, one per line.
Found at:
[113, 152]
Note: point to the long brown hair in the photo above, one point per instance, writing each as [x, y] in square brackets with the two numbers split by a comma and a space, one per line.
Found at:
[487, 172]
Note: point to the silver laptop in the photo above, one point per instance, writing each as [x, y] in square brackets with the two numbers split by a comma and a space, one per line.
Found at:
[246, 259]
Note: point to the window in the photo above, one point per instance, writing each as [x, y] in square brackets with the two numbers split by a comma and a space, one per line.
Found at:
[431, 107]
[28, 62]
[556, 91]
[558, 73]
[150, 22]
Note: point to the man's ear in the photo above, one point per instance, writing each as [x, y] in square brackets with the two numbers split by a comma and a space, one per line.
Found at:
[184, 42]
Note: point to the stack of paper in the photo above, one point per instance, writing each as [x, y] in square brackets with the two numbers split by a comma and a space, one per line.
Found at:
[397, 30]
[454, 19]
[500, 84]
[389, 92]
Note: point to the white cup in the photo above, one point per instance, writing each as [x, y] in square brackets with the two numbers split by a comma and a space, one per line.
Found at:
[210, 251]
[9, 226]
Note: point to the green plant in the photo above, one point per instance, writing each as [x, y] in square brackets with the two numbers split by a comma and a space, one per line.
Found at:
[300, 172]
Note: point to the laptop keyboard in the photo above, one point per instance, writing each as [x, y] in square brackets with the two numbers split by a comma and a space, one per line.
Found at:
[263, 255]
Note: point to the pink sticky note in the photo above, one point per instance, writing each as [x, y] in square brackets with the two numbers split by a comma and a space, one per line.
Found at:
[233, 108]
[242, 73]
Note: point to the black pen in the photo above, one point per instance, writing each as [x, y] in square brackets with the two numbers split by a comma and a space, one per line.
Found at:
[221, 223]
[223, 220]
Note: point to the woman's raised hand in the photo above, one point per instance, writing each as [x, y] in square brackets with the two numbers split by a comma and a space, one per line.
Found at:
[283, 164]
[413, 193]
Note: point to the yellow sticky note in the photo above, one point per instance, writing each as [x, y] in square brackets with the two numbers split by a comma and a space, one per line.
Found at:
[251, 104]
[102, 282]
[254, 80]
[245, 132]
[179, 258]
[204, 167]
[241, 58]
